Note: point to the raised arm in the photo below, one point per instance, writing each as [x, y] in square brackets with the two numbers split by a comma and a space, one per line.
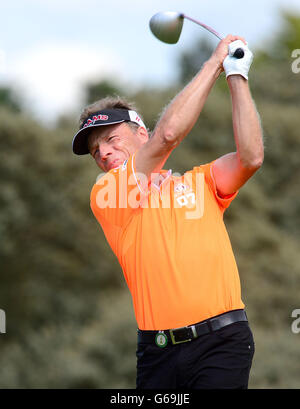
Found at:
[232, 170]
[182, 113]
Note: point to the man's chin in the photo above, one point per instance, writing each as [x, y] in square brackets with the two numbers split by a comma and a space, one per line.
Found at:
[114, 165]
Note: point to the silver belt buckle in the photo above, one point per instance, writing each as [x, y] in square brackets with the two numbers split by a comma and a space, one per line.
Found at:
[174, 342]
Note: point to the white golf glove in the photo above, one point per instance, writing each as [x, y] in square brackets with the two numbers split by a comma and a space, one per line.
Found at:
[241, 66]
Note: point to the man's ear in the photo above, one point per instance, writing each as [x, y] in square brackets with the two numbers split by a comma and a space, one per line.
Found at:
[142, 134]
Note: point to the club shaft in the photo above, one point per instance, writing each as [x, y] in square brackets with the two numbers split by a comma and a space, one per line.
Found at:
[203, 25]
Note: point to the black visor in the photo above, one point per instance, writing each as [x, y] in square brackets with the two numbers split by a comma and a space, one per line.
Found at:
[100, 118]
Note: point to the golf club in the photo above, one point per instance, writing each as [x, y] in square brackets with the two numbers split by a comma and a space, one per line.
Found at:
[167, 27]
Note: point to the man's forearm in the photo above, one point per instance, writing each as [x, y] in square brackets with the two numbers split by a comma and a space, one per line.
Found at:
[246, 123]
[182, 113]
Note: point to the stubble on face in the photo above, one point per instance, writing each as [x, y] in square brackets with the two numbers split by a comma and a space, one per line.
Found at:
[111, 145]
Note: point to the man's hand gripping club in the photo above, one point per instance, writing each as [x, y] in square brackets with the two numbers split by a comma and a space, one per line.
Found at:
[224, 56]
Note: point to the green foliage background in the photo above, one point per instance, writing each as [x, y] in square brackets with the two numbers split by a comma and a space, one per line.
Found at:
[70, 321]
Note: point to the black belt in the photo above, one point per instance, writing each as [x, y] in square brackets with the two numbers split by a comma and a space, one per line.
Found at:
[184, 334]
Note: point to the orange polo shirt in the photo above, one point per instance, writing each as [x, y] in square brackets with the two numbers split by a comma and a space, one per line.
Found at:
[171, 243]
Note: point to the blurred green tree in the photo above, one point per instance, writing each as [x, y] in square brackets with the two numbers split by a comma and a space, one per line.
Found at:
[102, 89]
[8, 99]
[192, 59]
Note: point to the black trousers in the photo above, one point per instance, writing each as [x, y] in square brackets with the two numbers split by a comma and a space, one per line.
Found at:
[219, 360]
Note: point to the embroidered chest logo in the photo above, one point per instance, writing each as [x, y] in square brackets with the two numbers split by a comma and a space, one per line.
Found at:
[180, 187]
[184, 195]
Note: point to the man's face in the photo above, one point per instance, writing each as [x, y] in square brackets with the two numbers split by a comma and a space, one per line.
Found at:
[111, 145]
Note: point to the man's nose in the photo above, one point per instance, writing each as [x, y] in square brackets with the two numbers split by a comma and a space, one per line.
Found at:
[104, 151]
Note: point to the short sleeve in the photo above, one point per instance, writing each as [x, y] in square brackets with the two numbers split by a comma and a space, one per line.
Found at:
[223, 201]
[118, 194]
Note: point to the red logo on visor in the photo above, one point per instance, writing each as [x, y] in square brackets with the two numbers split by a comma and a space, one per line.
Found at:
[95, 118]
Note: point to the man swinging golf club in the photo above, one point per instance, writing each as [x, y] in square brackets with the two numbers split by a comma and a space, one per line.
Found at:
[168, 232]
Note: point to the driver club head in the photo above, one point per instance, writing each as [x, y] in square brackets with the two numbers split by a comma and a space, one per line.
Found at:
[167, 26]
